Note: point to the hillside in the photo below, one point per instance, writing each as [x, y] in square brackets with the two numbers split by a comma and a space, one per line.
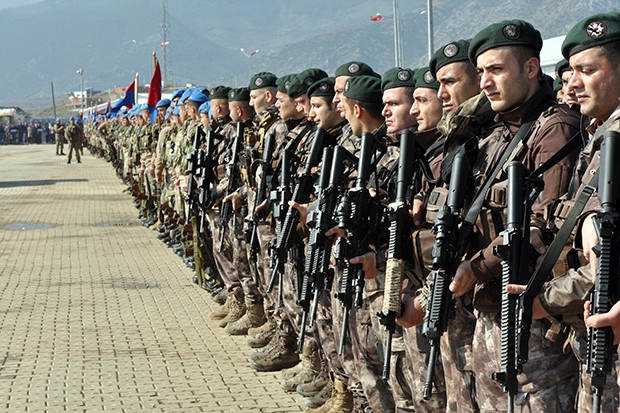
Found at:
[47, 41]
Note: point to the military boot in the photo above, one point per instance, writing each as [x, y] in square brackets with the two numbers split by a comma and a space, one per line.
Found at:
[317, 384]
[322, 397]
[341, 401]
[224, 309]
[264, 335]
[252, 331]
[310, 368]
[236, 311]
[280, 356]
[254, 316]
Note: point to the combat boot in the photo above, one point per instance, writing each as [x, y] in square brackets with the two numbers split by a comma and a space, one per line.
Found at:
[264, 335]
[341, 401]
[267, 324]
[235, 312]
[322, 397]
[317, 384]
[280, 356]
[310, 368]
[254, 316]
[224, 310]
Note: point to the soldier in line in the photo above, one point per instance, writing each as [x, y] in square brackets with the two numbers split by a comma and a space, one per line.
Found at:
[73, 135]
[59, 135]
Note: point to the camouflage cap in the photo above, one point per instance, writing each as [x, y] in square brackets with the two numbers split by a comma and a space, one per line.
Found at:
[505, 33]
[302, 81]
[424, 78]
[284, 82]
[322, 87]
[263, 79]
[241, 94]
[355, 69]
[220, 92]
[397, 77]
[452, 52]
[561, 67]
[594, 31]
[363, 88]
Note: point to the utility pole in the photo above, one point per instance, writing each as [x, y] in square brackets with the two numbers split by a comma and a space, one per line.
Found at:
[53, 100]
[398, 47]
[166, 75]
[80, 72]
[429, 16]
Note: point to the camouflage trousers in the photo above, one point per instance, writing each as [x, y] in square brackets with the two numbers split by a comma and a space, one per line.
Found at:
[457, 361]
[549, 379]
[327, 309]
[417, 352]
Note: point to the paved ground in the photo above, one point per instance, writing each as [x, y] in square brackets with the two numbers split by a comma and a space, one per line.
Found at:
[96, 313]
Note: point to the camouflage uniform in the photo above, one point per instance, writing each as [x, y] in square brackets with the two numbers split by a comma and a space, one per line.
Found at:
[59, 134]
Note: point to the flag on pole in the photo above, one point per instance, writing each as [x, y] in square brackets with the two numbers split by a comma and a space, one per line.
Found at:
[154, 90]
[128, 99]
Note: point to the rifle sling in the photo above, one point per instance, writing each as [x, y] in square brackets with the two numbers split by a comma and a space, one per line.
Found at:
[540, 275]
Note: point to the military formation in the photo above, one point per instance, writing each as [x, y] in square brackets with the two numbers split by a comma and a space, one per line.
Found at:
[426, 240]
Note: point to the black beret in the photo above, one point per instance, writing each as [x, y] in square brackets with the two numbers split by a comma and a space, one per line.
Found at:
[263, 79]
[561, 67]
[241, 94]
[355, 69]
[594, 31]
[557, 84]
[424, 78]
[397, 77]
[363, 88]
[302, 81]
[323, 87]
[505, 33]
[220, 92]
[450, 53]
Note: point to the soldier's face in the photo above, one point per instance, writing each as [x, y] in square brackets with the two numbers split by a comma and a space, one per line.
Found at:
[339, 88]
[258, 99]
[455, 85]
[596, 83]
[426, 108]
[286, 106]
[568, 95]
[322, 114]
[397, 103]
[504, 80]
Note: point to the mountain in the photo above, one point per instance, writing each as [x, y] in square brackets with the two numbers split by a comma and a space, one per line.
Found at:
[47, 41]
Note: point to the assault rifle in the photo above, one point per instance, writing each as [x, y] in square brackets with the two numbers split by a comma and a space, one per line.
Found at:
[309, 288]
[205, 199]
[399, 246]
[446, 254]
[354, 216]
[515, 254]
[280, 198]
[607, 288]
[301, 194]
[226, 211]
[261, 194]
[192, 169]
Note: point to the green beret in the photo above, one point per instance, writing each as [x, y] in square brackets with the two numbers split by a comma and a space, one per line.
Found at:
[263, 79]
[397, 77]
[284, 82]
[363, 88]
[505, 33]
[424, 78]
[323, 87]
[594, 31]
[450, 53]
[220, 92]
[355, 69]
[241, 94]
[302, 81]
[557, 84]
[561, 67]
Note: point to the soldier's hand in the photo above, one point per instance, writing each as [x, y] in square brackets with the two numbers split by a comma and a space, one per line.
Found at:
[337, 232]
[538, 311]
[369, 265]
[303, 210]
[412, 315]
[417, 211]
[610, 319]
[536, 240]
[236, 201]
[261, 206]
[463, 280]
[589, 239]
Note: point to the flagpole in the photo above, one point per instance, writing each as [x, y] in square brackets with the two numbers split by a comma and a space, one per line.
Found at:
[135, 95]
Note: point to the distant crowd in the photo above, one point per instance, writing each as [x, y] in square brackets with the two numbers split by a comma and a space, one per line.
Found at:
[26, 132]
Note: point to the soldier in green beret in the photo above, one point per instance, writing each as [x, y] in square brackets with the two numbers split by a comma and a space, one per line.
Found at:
[507, 56]
[592, 48]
